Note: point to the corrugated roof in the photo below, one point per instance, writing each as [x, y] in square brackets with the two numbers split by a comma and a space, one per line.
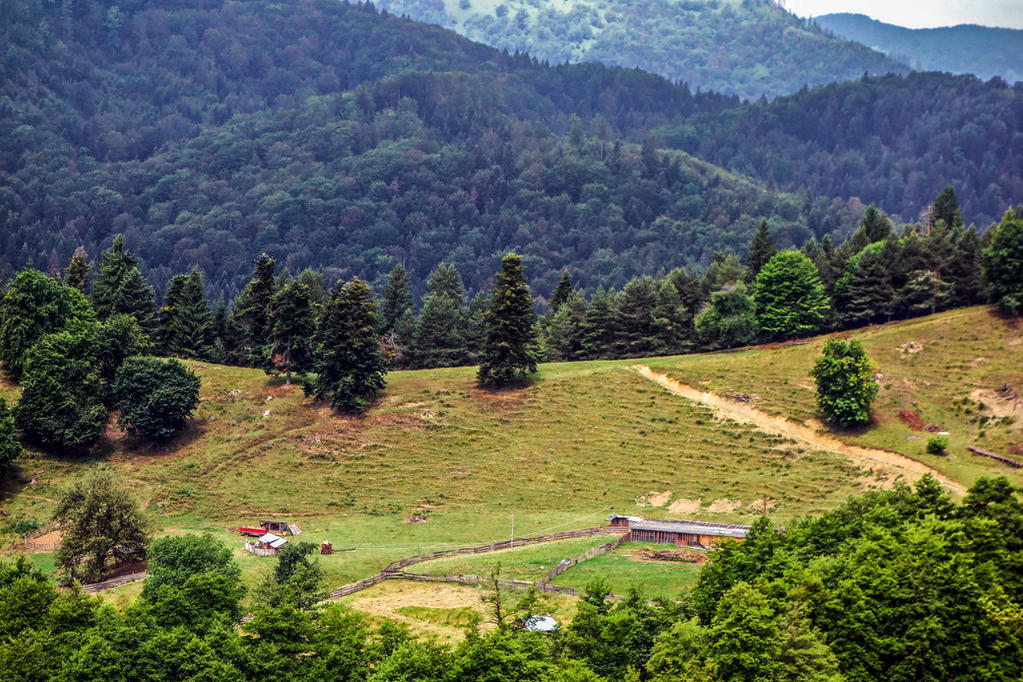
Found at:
[728, 530]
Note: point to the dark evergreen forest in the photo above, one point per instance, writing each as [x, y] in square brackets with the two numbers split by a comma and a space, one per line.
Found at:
[346, 140]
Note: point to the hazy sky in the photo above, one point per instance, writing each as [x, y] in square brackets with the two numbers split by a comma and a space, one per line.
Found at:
[920, 13]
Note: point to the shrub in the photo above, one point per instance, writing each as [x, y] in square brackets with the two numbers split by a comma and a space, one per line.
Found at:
[937, 445]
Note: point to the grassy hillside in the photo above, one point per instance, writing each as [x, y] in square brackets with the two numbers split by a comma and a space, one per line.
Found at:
[586, 439]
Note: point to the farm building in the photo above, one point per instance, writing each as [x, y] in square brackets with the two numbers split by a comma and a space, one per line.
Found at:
[619, 521]
[266, 545]
[683, 533]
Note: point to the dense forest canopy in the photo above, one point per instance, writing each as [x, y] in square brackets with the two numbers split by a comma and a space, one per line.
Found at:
[984, 51]
[747, 47]
[338, 138]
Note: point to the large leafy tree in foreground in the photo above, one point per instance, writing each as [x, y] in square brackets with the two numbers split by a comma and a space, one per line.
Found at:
[509, 351]
[155, 396]
[61, 402]
[35, 305]
[100, 520]
[350, 369]
[845, 383]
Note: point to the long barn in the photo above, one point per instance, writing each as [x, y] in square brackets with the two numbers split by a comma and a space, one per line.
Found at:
[682, 533]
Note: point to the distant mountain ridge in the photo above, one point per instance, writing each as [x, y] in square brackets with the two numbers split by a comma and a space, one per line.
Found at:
[981, 50]
[746, 47]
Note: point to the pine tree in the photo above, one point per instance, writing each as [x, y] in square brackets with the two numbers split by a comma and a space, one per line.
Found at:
[964, 271]
[250, 314]
[760, 251]
[637, 331]
[350, 369]
[164, 334]
[946, 208]
[564, 329]
[294, 324]
[730, 319]
[874, 226]
[396, 299]
[599, 328]
[186, 323]
[439, 337]
[1003, 264]
[509, 352]
[561, 292]
[76, 274]
[865, 293]
[120, 289]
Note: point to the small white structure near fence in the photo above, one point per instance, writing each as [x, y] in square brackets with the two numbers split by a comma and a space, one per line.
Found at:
[266, 545]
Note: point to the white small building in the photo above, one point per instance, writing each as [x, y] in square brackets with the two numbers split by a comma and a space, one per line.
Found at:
[266, 545]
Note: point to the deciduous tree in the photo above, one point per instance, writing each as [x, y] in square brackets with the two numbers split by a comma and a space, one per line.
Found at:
[155, 396]
[845, 383]
[789, 297]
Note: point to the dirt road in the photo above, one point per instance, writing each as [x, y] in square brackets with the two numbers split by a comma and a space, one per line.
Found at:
[893, 463]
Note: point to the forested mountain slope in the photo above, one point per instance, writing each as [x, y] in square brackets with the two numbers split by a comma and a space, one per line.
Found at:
[892, 140]
[984, 51]
[749, 47]
[335, 137]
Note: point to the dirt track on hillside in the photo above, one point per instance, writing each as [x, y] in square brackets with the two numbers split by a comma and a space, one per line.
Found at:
[889, 462]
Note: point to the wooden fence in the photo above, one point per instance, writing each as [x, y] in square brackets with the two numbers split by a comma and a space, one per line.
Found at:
[31, 543]
[395, 569]
[589, 554]
[984, 453]
[114, 582]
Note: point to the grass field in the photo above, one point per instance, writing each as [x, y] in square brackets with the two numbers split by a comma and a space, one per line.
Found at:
[623, 568]
[584, 440]
[532, 562]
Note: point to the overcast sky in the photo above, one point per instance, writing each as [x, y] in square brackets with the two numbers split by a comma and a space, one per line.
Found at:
[923, 14]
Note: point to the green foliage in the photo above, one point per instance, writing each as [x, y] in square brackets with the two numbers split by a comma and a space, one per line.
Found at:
[845, 383]
[33, 306]
[155, 397]
[186, 322]
[946, 209]
[10, 448]
[100, 520]
[937, 445]
[1003, 264]
[730, 319]
[294, 323]
[61, 401]
[439, 336]
[562, 292]
[118, 338]
[120, 289]
[396, 300]
[760, 251]
[350, 369]
[190, 579]
[76, 274]
[509, 351]
[250, 313]
[789, 297]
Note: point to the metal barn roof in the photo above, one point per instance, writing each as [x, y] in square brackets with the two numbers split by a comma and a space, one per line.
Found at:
[728, 530]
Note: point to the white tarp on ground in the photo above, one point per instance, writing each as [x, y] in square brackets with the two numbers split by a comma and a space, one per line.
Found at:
[273, 540]
[541, 624]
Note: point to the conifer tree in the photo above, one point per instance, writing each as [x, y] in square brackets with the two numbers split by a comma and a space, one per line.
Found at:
[186, 323]
[865, 293]
[874, 226]
[250, 313]
[561, 292]
[637, 331]
[964, 271]
[760, 251]
[599, 327]
[117, 339]
[120, 288]
[396, 299]
[730, 319]
[76, 274]
[294, 324]
[164, 334]
[476, 326]
[1003, 264]
[439, 337]
[564, 327]
[946, 208]
[350, 369]
[509, 352]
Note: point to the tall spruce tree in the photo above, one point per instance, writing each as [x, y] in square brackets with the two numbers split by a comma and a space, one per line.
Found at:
[761, 249]
[76, 274]
[946, 208]
[294, 324]
[250, 314]
[599, 327]
[509, 352]
[561, 292]
[439, 337]
[119, 287]
[1003, 264]
[965, 270]
[350, 368]
[396, 299]
[866, 292]
[186, 322]
[637, 329]
[10, 447]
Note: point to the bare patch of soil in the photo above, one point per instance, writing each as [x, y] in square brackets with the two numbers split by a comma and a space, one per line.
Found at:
[911, 347]
[654, 498]
[911, 419]
[813, 433]
[724, 506]
[684, 506]
[995, 403]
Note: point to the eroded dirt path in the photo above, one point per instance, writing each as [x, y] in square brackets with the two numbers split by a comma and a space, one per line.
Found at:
[889, 462]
